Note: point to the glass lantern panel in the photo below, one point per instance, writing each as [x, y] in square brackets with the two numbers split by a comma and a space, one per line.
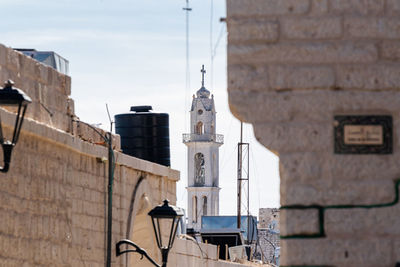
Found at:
[165, 229]
[10, 130]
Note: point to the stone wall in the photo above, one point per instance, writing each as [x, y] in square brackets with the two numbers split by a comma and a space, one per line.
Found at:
[269, 246]
[50, 93]
[268, 218]
[53, 200]
[292, 66]
[269, 234]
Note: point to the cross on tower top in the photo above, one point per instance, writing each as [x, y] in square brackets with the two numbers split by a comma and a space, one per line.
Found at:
[203, 71]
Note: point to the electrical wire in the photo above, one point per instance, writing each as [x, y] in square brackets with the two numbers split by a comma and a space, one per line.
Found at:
[255, 175]
[211, 44]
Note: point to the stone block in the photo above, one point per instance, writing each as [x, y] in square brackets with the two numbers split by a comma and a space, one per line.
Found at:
[299, 77]
[28, 66]
[57, 120]
[396, 253]
[55, 101]
[319, 7]
[357, 7]
[59, 82]
[304, 194]
[393, 6]
[299, 222]
[294, 137]
[249, 8]
[378, 28]
[190, 248]
[12, 62]
[336, 252]
[311, 28]
[360, 167]
[42, 73]
[272, 106]
[313, 105]
[3, 56]
[300, 166]
[248, 77]
[311, 52]
[252, 31]
[68, 88]
[326, 191]
[390, 50]
[372, 77]
[361, 223]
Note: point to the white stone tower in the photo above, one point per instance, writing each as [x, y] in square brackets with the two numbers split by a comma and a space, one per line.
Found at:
[203, 168]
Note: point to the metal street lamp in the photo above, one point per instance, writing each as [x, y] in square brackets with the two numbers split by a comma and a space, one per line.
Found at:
[16, 99]
[164, 217]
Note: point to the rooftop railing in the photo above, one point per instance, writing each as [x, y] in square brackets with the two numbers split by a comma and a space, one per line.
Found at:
[217, 138]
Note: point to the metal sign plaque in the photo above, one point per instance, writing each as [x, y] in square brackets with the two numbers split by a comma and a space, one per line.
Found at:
[357, 134]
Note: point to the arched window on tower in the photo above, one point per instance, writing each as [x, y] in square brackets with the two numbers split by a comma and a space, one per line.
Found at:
[199, 128]
[194, 209]
[204, 205]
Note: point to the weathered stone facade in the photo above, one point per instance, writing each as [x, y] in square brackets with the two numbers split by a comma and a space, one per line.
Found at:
[292, 66]
[269, 246]
[269, 234]
[268, 218]
[53, 200]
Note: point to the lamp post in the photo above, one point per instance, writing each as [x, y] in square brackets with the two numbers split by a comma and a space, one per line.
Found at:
[161, 216]
[16, 99]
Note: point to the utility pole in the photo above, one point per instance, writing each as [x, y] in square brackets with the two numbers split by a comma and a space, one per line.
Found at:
[239, 180]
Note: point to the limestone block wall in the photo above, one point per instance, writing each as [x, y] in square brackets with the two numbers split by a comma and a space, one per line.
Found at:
[53, 201]
[292, 66]
[187, 253]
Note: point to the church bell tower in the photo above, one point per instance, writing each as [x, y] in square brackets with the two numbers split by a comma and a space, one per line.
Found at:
[203, 156]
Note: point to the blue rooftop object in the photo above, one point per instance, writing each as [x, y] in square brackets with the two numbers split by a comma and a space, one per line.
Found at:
[230, 223]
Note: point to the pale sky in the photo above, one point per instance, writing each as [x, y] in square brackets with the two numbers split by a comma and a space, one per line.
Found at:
[126, 53]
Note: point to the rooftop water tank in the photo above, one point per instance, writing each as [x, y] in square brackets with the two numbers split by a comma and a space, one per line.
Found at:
[144, 134]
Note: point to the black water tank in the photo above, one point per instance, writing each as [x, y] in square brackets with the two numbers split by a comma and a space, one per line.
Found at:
[144, 134]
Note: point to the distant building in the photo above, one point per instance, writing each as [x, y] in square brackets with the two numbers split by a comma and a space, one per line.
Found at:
[268, 218]
[269, 235]
[48, 58]
[203, 155]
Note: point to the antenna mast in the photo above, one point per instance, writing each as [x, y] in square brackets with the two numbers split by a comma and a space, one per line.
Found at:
[187, 9]
[243, 181]
[187, 89]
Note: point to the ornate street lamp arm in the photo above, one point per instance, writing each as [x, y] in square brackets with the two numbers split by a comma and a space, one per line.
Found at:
[137, 249]
[7, 149]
